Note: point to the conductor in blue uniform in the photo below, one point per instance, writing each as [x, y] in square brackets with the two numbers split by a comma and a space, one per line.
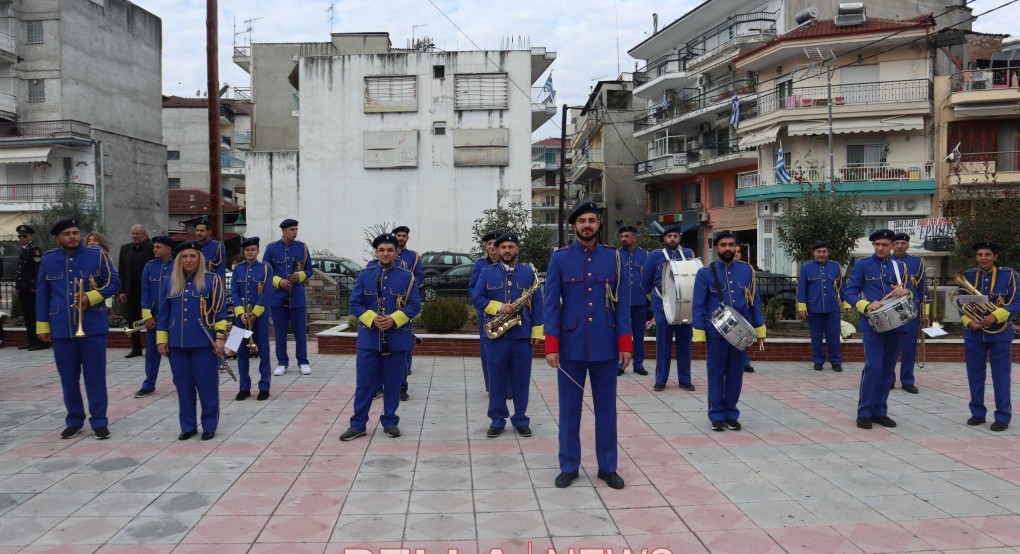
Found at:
[651, 281]
[292, 266]
[873, 280]
[499, 292]
[491, 256]
[633, 258]
[412, 262]
[212, 250]
[732, 283]
[914, 280]
[73, 284]
[990, 337]
[153, 273]
[385, 299]
[250, 288]
[819, 302]
[587, 334]
[191, 331]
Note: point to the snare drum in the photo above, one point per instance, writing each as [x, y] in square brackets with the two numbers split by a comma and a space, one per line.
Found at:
[734, 328]
[895, 312]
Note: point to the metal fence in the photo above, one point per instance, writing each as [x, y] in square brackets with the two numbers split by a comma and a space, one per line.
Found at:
[63, 128]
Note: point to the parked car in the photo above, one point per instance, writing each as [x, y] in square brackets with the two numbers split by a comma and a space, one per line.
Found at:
[438, 263]
[776, 285]
[343, 270]
[452, 283]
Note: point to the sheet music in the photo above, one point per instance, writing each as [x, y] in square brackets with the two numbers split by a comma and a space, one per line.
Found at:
[237, 334]
[935, 332]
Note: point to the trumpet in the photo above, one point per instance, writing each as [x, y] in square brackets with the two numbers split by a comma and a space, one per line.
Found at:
[79, 291]
[975, 311]
[135, 327]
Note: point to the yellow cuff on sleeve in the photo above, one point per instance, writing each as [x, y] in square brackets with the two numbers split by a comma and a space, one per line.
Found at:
[276, 282]
[94, 296]
[162, 337]
[1001, 315]
[220, 326]
[399, 318]
[258, 310]
[538, 332]
[302, 276]
[862, 305]
[238, 310]
[699, 335]
[493, 307]
[146, 313]
[846, 306]
[42, 327]
[760, 331]
[801, 307]
[965, 320]
[367, 318]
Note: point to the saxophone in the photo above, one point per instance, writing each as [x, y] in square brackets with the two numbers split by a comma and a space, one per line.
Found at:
[501, 323]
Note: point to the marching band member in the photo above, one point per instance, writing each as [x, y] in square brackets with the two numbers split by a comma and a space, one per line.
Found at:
[499, 286]
[292, 266]
[871, 281]
[732, 283]
[914, 280]
[739, 256]
[385, 299]
[818, 302]
[73, 284]
[250, 288]
[587, 327]
[153, 273]
[651, 282]
[992, 336]
[191, 328]
[212, 250]
[491, 257]
[412, 262]
[633, 258]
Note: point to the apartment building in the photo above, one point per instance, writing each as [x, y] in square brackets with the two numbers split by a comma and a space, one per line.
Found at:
[545, 183]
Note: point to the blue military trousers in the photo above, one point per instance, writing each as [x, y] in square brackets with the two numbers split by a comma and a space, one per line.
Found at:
[260, 335]
[77, 357]
[283, 317]
[509, 364]
[481, 348]
[976, 352]
[907, 352]
[152, 360]
[603, 392]
[196, 370]
[879, 367]
[372, 369]
[637, 325]
[725, 371]
[664, 335]
[824, 326]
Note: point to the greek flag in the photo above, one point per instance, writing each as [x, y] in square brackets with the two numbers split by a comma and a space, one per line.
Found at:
[782, 175]
[665, 101]
[735, 112]
[550, 94]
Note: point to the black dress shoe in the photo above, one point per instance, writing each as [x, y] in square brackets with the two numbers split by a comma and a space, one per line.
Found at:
[884, 421]
[351, 434]
[837, 368]
[392, 431]
[70, 431]
[186, 436]
[564, 479]
[523, 430]
[404, 397]
[659, 386]
[493, 432]
[133, 354]
[619, 372]
[748, 369]
[102, 433]
[733, 424]
[143, 392]
[864, 423]
[242, 395]
[687, 386]
[37, 347]
[718, 425]
[208, 435]
[612, 479]
[818, 367]
[24, 346]
[641, 371]
[263, 395]
[998, 426]
[975, 420]
[910, 388]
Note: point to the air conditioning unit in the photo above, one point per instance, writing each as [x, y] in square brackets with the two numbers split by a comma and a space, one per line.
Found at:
[779, 208]
[704, 80]
[703, 216]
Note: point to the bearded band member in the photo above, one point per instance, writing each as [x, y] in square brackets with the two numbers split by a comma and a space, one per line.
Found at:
[914, 281]
[819, 302]
[292, 266]
[250, 287]
[412, 262]
[633, 258]
[153, 273]
[491, 256]
[651, 282]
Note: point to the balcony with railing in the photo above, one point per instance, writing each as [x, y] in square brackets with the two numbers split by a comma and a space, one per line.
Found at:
[986, 168]
[690, 103]
[242, 138]
[727, 155]
[543, 106]
[8, 48]
[61, 130]
[804, 99]
[662, 168]
[230, 165]
[861, 178]
[745, 30]
[588, 165]
[984, 85]
[40, 192]
[242, 94]
[8, 106]
[242, 57]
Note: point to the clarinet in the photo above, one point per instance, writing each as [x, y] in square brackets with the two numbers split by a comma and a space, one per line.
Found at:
[384, 347]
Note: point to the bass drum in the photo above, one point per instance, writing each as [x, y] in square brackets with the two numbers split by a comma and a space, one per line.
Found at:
[678, 290]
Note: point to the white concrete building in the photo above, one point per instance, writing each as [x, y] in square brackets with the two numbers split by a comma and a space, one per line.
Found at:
[414, 137]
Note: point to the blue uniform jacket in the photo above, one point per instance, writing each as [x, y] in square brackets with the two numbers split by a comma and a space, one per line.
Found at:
[1000, 285]
[152, 282]
[818, 287]
[191, 318]
[54, 291]
[651, 280]
[250, 287]
[215, 257]
[400, 299]
[496, 287]
[476, 271]
[285, 259]
[633, 273]
[914, 277]
[870, 280]
[587, 311]
[412, 263]
[739, 291]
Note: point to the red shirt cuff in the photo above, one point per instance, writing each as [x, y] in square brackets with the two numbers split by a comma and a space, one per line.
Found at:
[625, 343]
[552, 344]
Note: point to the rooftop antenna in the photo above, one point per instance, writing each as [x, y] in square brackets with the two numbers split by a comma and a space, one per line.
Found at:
[332, 16]
[245, 33]
[413, 28]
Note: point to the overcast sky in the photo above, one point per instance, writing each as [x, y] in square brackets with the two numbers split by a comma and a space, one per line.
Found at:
[583, 33]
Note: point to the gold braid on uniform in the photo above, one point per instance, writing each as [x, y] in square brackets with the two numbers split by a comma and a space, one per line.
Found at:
[104, 259]
[612, 297]
[749, 291]
[402, 299]
[208, 310]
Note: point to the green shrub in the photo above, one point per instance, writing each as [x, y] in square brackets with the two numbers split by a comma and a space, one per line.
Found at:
[472, 316]
[443, 315]
[773, 312]
[352, 324]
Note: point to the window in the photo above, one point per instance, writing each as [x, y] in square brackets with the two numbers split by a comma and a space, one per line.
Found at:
[439, 71]
[34, 30]
[663, 201]
[173, 155]
[690, 194]
[481, 91]
[391, 93]
[862, 161]
[717, 188]
[173, 182]
[37, 90]
[438, 128]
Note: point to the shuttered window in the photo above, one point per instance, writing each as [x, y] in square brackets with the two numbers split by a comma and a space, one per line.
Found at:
[391, 93]
[482, 91]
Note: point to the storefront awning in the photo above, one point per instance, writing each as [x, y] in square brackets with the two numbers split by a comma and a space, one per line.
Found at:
[758, 138]
[24, 155]
[9, 223]
[987, 110]
[742, 218]
[857, 125]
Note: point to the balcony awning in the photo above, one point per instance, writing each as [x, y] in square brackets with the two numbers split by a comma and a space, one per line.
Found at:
[758, 138]
[24, 155]
[987, 110]
[857, 125]
[742, 218]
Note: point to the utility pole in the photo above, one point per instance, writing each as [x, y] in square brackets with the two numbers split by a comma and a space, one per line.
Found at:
[563, 178]
[213, 94]
[832, 155]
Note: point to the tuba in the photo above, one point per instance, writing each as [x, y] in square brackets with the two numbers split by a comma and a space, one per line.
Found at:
[501, 323]
[975, 311]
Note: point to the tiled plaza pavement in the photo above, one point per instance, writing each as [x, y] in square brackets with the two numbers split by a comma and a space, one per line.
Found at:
[800, 477]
